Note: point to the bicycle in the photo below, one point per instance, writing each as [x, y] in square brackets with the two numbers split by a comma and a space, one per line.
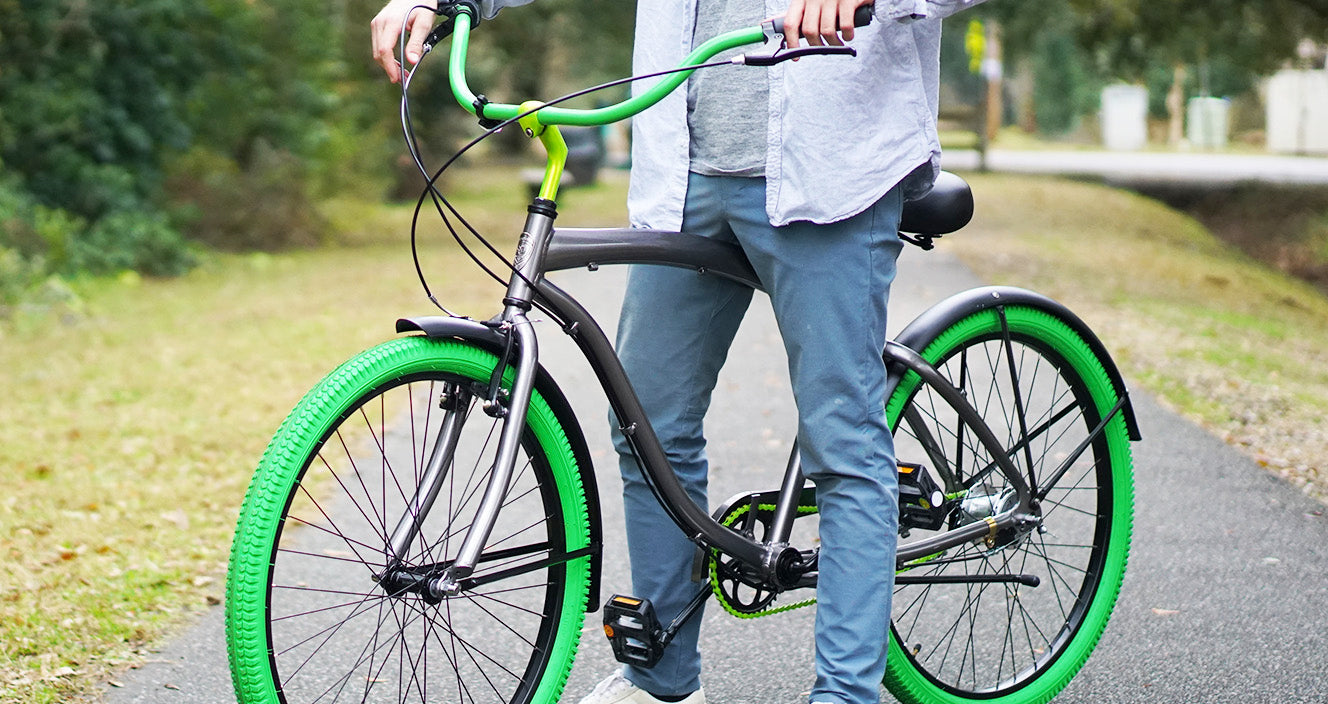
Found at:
[435, 494]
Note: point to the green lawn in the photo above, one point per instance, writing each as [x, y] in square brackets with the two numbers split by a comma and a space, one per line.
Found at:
[1234, 345]
[132, 422]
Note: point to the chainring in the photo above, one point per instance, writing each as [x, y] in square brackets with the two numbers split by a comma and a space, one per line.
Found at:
[742, 594]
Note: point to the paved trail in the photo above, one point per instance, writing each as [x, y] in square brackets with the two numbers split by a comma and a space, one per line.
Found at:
[1225, 600]
[1136, 169]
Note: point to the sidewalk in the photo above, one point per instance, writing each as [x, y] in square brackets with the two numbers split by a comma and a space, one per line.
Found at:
[1150, 168]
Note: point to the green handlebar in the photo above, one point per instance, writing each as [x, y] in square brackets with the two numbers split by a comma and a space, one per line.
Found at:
[597, 116]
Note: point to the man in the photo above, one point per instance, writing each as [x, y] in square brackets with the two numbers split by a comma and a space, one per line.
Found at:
[807, 170]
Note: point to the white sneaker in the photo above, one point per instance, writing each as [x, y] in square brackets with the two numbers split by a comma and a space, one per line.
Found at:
[619, 690]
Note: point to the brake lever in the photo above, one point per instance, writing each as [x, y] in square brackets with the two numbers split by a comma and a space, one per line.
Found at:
[448, 11]
[783, 54]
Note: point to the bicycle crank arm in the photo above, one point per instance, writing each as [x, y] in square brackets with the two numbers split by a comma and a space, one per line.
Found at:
[1028, 580]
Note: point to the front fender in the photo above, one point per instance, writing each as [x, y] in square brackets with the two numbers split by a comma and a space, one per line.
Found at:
[475, 332]
[938, 318]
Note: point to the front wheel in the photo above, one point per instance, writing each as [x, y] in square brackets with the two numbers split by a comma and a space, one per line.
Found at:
[320, 608]
[1013, 616]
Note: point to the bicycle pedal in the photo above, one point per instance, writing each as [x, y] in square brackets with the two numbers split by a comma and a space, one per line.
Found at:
[921, 503]
[633, 630]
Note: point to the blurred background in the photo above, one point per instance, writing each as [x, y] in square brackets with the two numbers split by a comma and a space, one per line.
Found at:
[205, 205]
[130, 131]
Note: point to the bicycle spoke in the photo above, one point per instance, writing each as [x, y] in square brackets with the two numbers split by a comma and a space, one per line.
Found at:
[969, 636]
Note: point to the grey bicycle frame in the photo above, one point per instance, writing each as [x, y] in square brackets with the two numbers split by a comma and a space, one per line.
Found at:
[542, 250]
[591, 248]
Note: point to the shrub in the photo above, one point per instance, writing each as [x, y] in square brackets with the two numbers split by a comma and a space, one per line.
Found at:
[1064, 91]
[262, 206]
[129, 240]
[18, 276]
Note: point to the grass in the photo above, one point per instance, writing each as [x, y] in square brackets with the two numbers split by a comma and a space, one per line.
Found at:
[132, 423]
[1233, 344]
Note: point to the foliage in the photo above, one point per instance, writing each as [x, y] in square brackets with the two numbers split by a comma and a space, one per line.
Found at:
[262, 205]
[99, 101]
[130, 241]
[1065, 90]
[1224, 45]
[91, 95]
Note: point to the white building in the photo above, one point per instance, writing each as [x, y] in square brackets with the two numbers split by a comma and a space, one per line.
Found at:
[1297, 111]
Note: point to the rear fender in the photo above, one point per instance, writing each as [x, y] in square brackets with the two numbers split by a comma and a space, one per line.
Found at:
[938, 318]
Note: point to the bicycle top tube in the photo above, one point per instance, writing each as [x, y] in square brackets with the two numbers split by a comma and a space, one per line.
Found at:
[591, 117]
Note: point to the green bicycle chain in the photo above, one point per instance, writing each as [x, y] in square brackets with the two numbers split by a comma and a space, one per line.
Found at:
[714, 568]
[770, 611]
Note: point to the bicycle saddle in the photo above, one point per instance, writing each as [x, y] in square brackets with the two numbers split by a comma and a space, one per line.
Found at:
[948, 207]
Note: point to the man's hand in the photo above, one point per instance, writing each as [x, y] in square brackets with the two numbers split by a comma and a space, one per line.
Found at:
[386, 30]
[820, 21]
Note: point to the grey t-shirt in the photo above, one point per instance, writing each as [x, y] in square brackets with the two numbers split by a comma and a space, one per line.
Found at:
[727, 106]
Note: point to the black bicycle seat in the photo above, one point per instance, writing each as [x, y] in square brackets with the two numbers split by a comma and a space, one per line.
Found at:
[947, 208]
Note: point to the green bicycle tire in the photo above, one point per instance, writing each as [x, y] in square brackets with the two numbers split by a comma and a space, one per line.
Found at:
[1051, 668]
[277, 484]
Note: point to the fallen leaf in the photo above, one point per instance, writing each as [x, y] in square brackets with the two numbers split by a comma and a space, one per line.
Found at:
[1166, 612]
[178, 517]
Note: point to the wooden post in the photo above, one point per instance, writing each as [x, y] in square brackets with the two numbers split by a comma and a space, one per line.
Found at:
[993, 71]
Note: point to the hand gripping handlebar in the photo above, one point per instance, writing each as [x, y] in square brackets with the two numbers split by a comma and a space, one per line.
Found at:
[463, 15]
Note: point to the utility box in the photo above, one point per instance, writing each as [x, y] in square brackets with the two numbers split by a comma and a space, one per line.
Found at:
[1297, 112]
[1125, 117]
[1207, 122]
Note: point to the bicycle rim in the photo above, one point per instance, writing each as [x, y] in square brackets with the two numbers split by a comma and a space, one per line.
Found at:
[312, 614]
[1043, 392]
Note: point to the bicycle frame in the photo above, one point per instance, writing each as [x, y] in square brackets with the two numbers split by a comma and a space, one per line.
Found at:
[540, 250]
[577, 248]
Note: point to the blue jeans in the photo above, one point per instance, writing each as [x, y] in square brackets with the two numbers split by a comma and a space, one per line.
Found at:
[828, 285]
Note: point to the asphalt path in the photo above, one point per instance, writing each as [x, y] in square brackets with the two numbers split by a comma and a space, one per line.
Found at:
[1151, 169]
[1225, 598]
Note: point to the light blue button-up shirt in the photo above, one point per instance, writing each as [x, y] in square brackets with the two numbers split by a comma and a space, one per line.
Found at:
[842, 131]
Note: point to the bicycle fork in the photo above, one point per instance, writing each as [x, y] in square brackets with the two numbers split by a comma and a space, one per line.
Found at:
[521, 339]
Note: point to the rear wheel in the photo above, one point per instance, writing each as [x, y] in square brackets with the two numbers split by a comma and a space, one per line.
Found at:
[319, 609]
[967, 623]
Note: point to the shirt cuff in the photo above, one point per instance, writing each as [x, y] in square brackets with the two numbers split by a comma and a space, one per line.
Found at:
[901, 10]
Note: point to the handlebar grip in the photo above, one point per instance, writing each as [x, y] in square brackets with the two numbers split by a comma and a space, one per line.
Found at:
[861, 18]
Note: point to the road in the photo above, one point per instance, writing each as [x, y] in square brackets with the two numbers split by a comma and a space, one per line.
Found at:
[1143, 169]
[1225, 600]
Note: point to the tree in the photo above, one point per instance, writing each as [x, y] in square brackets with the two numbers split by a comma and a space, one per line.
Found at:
[1134, 40]
[91, 94]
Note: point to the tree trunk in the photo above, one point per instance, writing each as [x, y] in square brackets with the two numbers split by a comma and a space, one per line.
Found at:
[992, 69]
[1176, 107]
